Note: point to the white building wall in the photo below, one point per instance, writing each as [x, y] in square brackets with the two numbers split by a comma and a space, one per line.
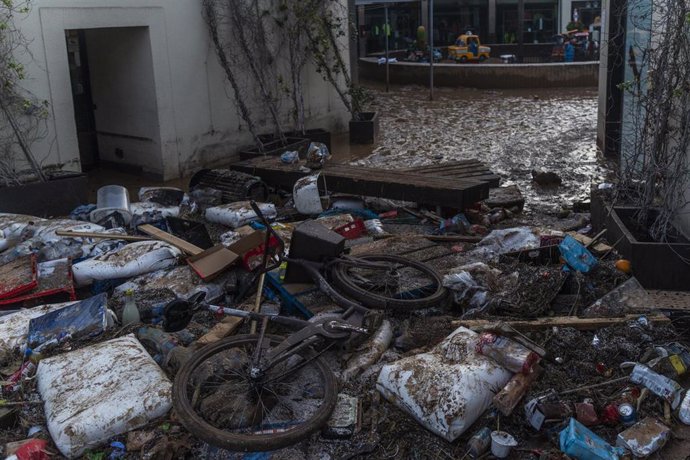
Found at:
[198, 124]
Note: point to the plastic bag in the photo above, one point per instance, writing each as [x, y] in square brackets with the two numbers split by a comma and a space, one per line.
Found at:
[131, 260]
[576, 255]
[317, 154]
[289, 157]
[506, 240]
[239, 213]
[447, 389]
[83, 319]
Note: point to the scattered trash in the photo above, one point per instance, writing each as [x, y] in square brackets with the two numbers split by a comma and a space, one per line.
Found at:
[479, 443]
[644, 438]
[164, 196]
[131, 260]
[290, 157]
[579, 442]
[80, 320]
[501, 444]
[346, 419]
[317, 154]
[509, 354]
[576, 255]
[237, 214]
[373, 349]
[306, 195]
[446, 389]
[112, 200]
[658, 384]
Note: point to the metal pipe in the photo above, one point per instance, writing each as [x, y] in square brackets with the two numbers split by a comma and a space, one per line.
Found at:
[386, 28]
[431, 50]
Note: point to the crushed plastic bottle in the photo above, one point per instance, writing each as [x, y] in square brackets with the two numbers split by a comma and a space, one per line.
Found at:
[508, 353]
[130, 314]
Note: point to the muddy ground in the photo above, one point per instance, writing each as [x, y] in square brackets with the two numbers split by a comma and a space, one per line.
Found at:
[512, 131]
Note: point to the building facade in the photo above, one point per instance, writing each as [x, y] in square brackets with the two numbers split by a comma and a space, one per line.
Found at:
[495, 21]
[137, 83]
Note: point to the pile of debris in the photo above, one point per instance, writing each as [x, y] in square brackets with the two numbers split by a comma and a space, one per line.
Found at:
[544, 347]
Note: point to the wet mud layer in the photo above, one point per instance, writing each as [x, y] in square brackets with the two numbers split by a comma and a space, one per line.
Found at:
[511, 131]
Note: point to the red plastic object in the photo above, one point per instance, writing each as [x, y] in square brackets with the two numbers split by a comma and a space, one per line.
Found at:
[353, 230]
[18, 276]
[33, 450]
[252, 258]
[549, 240]
[586, 414]
[610, 415]
[389, 215]
[55, 281]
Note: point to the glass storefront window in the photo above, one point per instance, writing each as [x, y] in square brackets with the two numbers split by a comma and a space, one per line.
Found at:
[539, 25]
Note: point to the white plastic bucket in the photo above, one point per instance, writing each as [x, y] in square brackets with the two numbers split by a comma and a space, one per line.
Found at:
[109, 199]
[501, 443]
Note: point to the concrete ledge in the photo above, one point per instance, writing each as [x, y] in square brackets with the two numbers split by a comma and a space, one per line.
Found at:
[486, 76]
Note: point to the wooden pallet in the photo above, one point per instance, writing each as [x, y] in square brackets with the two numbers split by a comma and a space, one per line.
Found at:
[461, 169]
[457, 193]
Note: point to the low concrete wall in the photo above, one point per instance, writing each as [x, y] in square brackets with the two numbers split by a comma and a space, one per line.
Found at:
[486, 76]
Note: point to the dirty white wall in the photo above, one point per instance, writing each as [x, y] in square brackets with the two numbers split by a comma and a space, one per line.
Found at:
[198, 122]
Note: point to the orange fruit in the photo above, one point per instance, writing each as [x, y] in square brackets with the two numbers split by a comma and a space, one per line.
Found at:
[624, 265]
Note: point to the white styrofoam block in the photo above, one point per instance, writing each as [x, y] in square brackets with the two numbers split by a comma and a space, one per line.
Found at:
[101, 391]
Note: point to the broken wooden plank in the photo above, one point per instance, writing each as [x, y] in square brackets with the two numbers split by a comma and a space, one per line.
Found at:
[104, 236]
[505, 197]
[453, 238]
[179, 243]
[597, 248]
[397, 185]
[583, 324]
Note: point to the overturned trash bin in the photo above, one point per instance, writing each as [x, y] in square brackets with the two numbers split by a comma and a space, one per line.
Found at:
[447, 389]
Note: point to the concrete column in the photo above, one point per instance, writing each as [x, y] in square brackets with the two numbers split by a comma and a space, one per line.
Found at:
[492, 22]
[425, 15]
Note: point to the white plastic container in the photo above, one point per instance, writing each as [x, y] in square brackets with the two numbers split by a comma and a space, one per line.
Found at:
[109, 199]
[501, 444]
[447, 389]
[239, 213]
[131, 260]
[101, 391]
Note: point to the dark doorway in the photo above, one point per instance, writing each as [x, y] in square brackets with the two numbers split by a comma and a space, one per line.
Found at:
[82, 98]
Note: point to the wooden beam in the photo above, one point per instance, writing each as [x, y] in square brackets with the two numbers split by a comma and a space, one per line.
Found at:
[179, 243]
[103, 236]
[583, 324]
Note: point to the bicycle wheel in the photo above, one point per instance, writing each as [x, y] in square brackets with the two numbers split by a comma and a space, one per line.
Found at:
[402, 284]
[218, 401]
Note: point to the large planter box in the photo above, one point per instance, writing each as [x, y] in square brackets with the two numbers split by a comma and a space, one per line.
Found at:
[56, 197]
[276, 148]
[366, 130]
[655, 265]
[314, 135]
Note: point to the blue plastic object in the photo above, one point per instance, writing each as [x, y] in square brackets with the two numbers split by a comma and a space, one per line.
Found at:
[578, 442]
[84, 319]
[576, 255]
[365, 214]
[289, 301]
